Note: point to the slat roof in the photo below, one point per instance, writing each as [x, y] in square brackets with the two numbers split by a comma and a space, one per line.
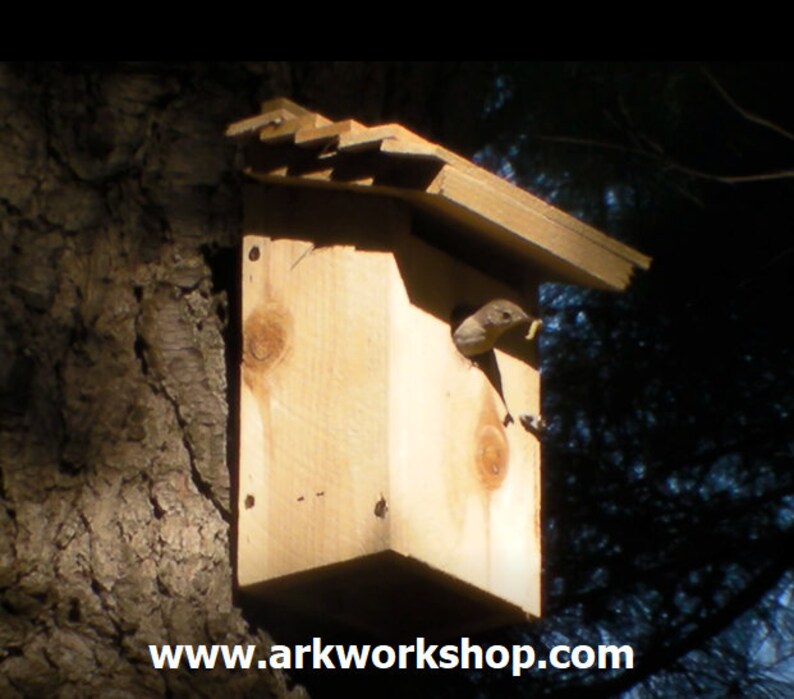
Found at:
[297, 147]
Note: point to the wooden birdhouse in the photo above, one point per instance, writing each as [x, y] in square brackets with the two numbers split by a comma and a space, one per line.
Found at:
[386, 481]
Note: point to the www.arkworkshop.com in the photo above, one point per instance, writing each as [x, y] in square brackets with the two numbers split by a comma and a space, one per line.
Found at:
[419, 655]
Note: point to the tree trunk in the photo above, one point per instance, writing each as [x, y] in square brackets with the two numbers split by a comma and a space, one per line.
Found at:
[115, 510]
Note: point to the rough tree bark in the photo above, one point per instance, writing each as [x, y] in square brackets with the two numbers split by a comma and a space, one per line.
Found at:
[114, 484]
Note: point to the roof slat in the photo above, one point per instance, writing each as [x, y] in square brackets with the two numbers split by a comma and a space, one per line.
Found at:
[328, 133]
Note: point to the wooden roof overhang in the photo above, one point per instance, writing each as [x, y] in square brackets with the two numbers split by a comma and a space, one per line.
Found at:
[293, 146]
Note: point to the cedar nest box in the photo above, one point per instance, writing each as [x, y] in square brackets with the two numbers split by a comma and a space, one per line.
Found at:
[382, 484]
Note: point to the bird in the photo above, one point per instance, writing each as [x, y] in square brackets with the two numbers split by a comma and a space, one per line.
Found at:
[479, 332]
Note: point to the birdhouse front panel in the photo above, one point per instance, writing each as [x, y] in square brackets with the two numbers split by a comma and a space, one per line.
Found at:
[465, 485]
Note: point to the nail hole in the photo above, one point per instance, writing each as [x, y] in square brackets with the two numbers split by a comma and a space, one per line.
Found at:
[381, 507]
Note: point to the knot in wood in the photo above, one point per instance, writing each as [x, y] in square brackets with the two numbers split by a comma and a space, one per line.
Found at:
[491, 456]
[266, 334]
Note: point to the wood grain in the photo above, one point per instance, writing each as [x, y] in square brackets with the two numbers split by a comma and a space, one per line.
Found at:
[362, 429]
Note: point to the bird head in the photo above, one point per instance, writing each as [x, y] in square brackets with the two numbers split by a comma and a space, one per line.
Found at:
[502, 314]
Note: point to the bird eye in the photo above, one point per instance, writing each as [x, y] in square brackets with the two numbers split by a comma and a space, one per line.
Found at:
[506, 315]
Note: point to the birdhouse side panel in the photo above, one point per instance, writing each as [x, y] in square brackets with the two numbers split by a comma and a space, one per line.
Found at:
[313, 435]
